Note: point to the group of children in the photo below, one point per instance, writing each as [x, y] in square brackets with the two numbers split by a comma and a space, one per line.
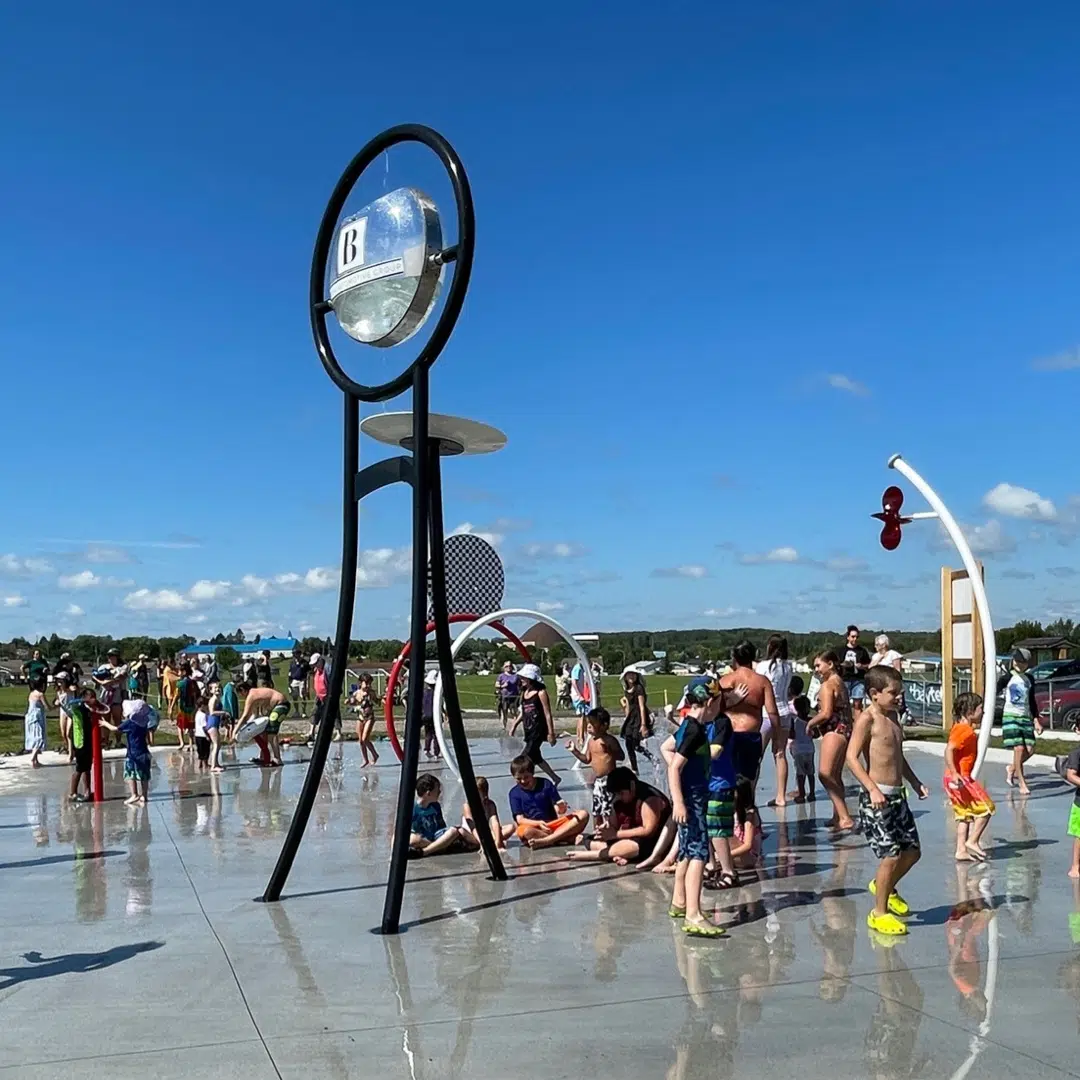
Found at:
[719, 829]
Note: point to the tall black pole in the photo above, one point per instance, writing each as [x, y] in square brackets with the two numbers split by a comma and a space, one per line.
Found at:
[346, 601]
[414, 709]
[441, 618]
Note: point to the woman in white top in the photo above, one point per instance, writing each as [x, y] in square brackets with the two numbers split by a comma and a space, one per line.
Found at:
[776, 667]
[883, 655]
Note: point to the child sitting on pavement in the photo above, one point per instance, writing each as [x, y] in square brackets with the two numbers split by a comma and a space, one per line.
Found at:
[501, 833]
[602, 751]
[886, 818]
[430, 834]
[542, 818]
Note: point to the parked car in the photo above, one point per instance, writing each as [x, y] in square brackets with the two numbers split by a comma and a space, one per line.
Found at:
[1055, 669]
[1066, 703]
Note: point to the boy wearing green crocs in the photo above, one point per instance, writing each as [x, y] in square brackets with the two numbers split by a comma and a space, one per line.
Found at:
[886, 817]
[689, 761]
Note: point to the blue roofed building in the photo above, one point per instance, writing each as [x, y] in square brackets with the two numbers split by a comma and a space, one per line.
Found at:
[276, 646]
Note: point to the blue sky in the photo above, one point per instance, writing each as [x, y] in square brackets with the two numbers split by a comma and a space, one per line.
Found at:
[730, 258]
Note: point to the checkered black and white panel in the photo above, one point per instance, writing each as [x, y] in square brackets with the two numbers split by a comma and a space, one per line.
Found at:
[474, 576]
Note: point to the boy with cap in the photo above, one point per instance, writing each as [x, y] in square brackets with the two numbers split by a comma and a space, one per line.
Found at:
[689, 756]
[1019, 720]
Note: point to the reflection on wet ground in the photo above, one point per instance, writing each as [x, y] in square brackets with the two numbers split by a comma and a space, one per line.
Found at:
[564, 970]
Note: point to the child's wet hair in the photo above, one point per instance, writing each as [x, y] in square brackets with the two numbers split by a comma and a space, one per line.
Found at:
[795, 687]
[801, 705]
[881, 678]
[744, 797]
[482, 786]
[426, 784]
[521, 766]
[599, 716]
[966, 704]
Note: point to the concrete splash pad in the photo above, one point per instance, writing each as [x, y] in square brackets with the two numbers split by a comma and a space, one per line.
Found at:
[131, 944]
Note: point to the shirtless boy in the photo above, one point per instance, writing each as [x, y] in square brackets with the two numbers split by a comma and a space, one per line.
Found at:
[746, 714]
[886, 817]
[265, 701]
[601, 753]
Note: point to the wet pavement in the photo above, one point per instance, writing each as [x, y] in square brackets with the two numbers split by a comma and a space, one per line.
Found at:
[131, 944]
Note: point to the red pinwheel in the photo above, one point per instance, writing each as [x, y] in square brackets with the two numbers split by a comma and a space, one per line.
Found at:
[891, 501]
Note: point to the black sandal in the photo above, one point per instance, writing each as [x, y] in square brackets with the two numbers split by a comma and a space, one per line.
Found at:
[721, 882]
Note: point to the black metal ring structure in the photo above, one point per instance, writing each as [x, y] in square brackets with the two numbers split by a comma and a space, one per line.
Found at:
[466, 221]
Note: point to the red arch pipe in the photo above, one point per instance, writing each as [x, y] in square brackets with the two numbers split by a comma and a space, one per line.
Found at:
[395, 673]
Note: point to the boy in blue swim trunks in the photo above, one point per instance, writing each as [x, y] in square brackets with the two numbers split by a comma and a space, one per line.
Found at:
[689, 758]
[430, 834]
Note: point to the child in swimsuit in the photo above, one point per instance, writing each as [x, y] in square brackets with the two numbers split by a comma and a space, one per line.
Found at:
[972, 806]
[886, 817]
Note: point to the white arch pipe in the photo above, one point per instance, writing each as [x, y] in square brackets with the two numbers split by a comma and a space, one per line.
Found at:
[479, 624]
[978, 596]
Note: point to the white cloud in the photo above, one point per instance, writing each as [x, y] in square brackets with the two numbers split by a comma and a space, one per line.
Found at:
[15, 601]
[562, 549]
[467, 528]
[776, 555]
[321, 577]
[728, 612]
[988, 539]
[198, 620]
[1062, 361]
[306, 627]
[97, 553]
[74, 611]
[689, 571]
[84, 579]
[157, 600]
[288, 581]
[844, 565]
[848, 386]
[549, 606]
[256, 586]
[381, 567]
[1019, 502]
[19, 567]
[206, 591]
[262, 628]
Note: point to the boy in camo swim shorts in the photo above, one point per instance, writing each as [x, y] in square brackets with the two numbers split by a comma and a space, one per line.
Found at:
[886, 817]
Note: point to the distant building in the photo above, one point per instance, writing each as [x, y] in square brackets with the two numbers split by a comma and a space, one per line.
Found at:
[277, 647]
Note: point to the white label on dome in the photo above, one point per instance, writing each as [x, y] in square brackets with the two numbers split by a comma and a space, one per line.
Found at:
[350, 248]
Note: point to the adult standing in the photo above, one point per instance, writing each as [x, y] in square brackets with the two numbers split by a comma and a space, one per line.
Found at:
[139, 678]
[508, 692]
[757, 701]
[210, 672]
[67, 664]
[250, 673]
[854, 662]
[34, 724]
[298, 677]
[833, 723]
[114, 688]
[320, 686]
[776, 667]
[264, 670]
[637, 720]
[884, 654]
[36, 669]
[170, 680]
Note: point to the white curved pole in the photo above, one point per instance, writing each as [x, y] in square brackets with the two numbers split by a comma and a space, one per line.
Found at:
[978, 595]
[479, 624]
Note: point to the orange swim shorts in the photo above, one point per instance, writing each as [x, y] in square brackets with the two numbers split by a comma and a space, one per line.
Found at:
[558, 823]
